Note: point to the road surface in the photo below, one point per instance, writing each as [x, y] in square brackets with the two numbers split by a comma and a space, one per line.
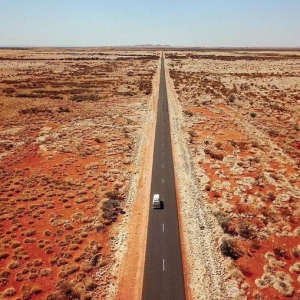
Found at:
[163, 275]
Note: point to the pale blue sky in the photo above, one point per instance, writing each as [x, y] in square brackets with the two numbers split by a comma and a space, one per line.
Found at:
[202, 23]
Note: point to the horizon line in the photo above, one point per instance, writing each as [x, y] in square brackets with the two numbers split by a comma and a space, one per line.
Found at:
[157, 46]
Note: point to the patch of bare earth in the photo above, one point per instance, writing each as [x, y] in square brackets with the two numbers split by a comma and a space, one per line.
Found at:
[72, 136]
[236, 130]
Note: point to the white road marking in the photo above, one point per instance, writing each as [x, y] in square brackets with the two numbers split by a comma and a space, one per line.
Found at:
[163, 180]
[163, 264]
[163, 227]
[162, 166]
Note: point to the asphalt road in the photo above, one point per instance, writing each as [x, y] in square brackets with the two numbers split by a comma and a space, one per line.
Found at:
[163, 275]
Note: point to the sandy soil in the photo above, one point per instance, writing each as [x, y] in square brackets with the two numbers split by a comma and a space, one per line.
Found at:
[72, 129]
[235, 123]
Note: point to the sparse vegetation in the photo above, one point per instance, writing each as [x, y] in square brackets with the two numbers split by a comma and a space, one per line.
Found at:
[247, 123]
[65, 137]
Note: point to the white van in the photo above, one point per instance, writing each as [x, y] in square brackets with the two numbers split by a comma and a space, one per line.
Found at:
[156, 201]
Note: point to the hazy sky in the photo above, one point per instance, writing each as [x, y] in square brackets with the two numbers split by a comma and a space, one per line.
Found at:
[203, 23]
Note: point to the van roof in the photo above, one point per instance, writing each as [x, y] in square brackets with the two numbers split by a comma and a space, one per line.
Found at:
[156, 197]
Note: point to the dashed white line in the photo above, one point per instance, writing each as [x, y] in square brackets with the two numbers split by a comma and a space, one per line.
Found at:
[163, 227]
[163, 180]
[163, 264]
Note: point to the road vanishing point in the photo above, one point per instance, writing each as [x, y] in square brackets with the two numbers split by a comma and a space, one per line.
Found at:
[163, 273]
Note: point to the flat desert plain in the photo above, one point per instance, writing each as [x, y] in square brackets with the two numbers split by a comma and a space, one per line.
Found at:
[71, 126]
[236, 135]
[77, 134]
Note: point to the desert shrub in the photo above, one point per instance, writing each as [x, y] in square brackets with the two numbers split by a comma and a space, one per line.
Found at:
[247, 230]
[114, 194]
[33, 276]
[270, 197]
[63, 109]
[242, 145]
[73, 247]
[48, 249]
[256, 245]
[253, 114]
[295, 268]
[89, 283]
[188, 113]
[95, 260]
[231, 249]
[80, 276]
[284, 288]
[231, 99]
[13, 265]
[15, 244]
[9, 90]
[30, 232]
[67, 291]
[111, 204]
[246, 271]
[62, 262]
[296, 252]
[86, 268]
[273, 133]
[265, 281]
[72, 269]
[9, 292]
[3, 255]
[218, 145]
[192, 133]
[37, 262]
[55, 296]
[46, 272]
[4, 273]
[35, 110]
[47, 232]
[19, 277]
[225, 223]
[214, 155]
[279, 251]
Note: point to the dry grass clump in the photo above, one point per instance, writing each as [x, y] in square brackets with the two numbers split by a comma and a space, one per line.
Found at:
[9, 292]
[46, 272]
[4, 255]
[74, 290]
[66, 271]
[29, 291]
[13, 265]
[284, 288]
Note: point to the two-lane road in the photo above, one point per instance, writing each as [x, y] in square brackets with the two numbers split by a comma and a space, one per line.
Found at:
[163, 274]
